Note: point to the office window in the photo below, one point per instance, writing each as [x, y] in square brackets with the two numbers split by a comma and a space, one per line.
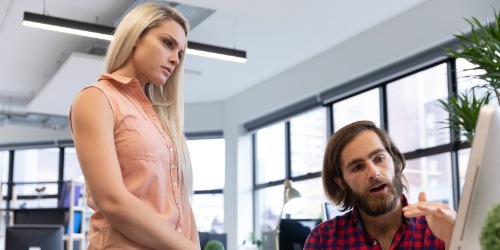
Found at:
[308, 135]
[33, 166]
[268, 204]
[465, 79]
[365, 106]
[414, 112]
[72, 168]
[208, 210]
[208, 161]
[314, 196]
[270, 155]
[4, 165]
[432, 175]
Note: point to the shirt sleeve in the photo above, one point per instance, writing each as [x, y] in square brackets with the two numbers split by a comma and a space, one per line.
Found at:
[312, 241]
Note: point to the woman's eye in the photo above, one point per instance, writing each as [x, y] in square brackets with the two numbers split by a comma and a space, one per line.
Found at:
[380, 159]
[168, 43]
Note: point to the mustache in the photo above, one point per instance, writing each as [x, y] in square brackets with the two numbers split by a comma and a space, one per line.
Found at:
[377, 182]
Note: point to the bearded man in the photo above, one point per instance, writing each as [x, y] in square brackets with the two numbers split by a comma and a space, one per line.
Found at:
[362, 172]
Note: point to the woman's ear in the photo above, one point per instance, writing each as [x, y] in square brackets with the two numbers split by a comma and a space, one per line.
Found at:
[339, 182]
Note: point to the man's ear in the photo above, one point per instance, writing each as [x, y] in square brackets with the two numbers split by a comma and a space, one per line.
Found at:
[339, 182]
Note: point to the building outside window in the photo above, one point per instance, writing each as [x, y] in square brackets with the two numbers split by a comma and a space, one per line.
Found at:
[364, 106]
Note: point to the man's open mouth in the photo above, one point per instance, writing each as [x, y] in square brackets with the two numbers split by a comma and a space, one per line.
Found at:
[378, 188]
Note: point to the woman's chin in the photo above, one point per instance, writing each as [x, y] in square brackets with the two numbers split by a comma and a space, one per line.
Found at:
[159, 83]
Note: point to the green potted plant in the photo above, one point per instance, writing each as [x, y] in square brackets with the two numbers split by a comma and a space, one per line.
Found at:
[482, 49]
[214, 245]
[490, 230]
[251, 243]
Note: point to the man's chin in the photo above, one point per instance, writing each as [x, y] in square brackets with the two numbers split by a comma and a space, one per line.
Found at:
[378, 205]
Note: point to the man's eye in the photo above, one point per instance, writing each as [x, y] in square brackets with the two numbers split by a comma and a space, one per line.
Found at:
[356, 168]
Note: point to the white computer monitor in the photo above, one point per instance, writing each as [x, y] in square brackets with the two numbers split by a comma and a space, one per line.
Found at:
[482, 184]
[330, 210]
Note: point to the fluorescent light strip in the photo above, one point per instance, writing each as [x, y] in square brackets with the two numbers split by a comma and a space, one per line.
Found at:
[68, 30]
[104, 32]
[215, 55]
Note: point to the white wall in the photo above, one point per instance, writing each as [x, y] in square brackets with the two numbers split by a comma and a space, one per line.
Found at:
[25, 134]
[208, 116]
[422, 27]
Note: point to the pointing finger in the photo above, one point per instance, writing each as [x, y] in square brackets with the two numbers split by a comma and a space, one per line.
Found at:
[422, 197]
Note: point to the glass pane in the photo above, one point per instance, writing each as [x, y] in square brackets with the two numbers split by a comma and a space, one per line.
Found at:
[308, 137]
[431, 175]
[414, 112]
[208, 210]
[72, 168]
[268, 204]
[365, 106]
[36, 165]
[208, 160]
[4, 165]
[312, 192]
[463, 163]
[270, 155]
[465, 79]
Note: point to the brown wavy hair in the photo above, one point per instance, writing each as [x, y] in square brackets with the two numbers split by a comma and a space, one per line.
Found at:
[332, 160]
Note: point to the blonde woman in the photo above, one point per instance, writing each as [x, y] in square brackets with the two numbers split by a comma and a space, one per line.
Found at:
[128, 134]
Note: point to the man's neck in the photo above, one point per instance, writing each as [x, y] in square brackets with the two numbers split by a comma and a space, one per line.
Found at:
[383, 227]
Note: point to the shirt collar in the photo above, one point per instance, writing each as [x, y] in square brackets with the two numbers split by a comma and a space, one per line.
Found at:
[117, 78]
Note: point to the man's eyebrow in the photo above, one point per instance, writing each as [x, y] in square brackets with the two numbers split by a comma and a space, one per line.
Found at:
[377, 151]
[373, 153]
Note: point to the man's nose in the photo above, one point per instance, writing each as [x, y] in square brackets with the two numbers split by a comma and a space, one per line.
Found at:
[373, 170]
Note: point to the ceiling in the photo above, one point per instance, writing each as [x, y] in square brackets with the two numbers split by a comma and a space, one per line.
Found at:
[41, 70]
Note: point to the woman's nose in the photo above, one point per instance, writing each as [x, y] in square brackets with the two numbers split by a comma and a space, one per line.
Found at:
[174, 59]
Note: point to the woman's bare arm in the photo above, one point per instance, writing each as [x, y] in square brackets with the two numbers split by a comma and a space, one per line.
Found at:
[93, 124]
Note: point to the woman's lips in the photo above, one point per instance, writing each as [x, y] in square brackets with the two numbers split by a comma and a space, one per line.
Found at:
[167, 70]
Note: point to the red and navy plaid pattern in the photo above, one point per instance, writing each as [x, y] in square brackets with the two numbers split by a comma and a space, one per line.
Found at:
[346, 232]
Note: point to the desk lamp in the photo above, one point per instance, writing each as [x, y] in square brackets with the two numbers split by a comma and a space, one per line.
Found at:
[292, 203]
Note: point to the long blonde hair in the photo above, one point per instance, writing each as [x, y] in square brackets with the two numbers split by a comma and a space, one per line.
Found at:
[167, 100]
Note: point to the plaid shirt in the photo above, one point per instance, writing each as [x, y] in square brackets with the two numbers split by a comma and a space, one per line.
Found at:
[346, 232]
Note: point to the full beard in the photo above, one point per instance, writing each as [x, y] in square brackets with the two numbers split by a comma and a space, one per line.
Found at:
[378, 205]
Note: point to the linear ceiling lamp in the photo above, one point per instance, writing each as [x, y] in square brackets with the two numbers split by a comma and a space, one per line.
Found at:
[106, 33]
[68, 26]
[211, 51]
